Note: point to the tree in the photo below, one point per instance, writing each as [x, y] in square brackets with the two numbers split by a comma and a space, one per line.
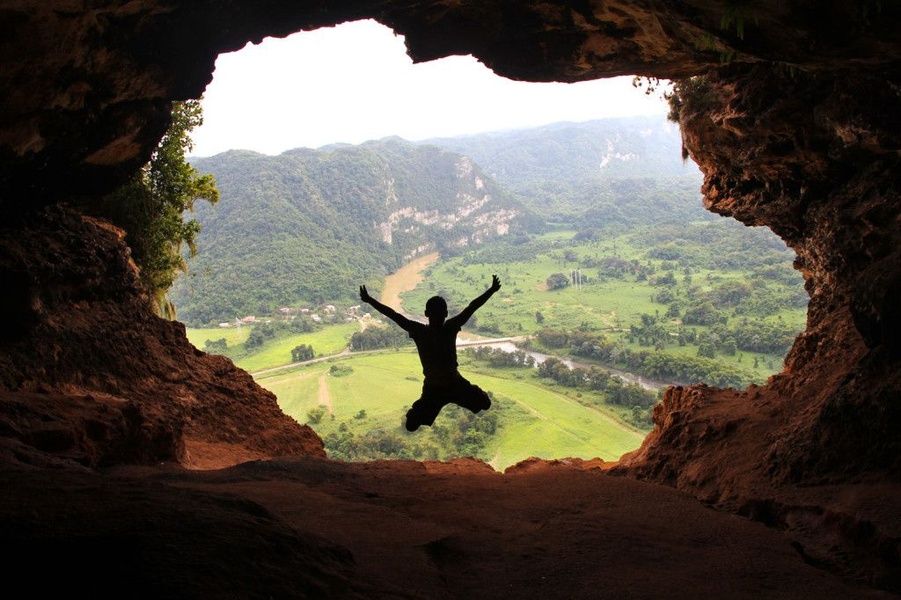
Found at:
[302, 352]
[666, 279]
[380, 337]
[314, 415]
[557, 281]
[665, 296]
[259, 334]
[707, 349]
[211, 346]
[553, 338]
[703, 313]
[731, 293]
[150, 207]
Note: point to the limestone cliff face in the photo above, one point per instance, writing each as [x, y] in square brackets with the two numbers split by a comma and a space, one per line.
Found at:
[799, 132]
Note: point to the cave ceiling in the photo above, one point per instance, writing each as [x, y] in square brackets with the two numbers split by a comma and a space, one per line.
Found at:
[87, 84]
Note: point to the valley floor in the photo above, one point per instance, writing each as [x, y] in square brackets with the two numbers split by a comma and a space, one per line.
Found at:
[533, 419]
[306, 527]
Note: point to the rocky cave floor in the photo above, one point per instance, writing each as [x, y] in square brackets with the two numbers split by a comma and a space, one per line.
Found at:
[310, 527]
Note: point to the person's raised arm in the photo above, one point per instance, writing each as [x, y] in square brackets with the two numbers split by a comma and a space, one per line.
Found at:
[478, 302]
[389, 312]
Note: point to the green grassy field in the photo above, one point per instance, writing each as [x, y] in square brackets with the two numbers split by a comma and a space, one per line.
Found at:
[359, 413]
[535, 418]
[331, 339]
[233, 335]
[554, 424]
[609, 306]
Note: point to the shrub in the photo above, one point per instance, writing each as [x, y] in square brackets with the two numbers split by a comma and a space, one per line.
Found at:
[557, 281]
[302, 352]
[314, 415]
[340, 370]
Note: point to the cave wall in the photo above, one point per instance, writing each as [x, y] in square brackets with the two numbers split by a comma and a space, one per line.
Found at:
[815, 157]
[89, 376]
[818, 162]
[794, 123]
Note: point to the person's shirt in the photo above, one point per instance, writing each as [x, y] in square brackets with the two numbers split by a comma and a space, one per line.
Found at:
[437, 347]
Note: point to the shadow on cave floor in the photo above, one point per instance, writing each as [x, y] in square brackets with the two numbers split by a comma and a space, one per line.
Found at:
[312, 527]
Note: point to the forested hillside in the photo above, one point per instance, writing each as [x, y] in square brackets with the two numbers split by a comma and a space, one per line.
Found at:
[311, 225]
[622, 171]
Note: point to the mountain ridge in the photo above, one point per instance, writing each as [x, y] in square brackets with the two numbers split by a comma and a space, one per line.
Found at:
[566, 168]
[310, 225]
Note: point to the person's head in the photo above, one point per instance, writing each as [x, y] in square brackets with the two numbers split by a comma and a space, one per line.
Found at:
[436, 309]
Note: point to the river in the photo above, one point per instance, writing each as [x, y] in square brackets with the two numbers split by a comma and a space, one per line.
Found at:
[508, 346]
[405, 279]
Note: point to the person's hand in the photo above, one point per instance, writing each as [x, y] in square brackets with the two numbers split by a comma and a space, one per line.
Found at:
[495, 283]
[364, 295]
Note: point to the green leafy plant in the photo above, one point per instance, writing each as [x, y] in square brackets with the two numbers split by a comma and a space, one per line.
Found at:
[302, 352]
[692, 93]
[341, 370]
[314, 415]
[151, 206]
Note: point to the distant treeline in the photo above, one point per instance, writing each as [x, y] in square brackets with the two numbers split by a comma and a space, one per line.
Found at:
[613, 389]
[609, 173]
[596, 379]
[501, 359]
[750, 335]
[656, 365]
[375, 337]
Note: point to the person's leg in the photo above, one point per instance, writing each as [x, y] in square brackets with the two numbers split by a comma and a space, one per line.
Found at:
[422, 413]
[425, 410]
[470, 396]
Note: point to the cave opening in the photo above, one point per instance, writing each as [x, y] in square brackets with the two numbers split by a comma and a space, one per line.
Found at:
[618, 283]
[792, 118]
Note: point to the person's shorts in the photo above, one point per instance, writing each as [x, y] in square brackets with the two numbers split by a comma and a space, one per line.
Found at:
[436, 394]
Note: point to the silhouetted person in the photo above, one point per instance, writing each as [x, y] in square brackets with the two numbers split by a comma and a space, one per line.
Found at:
[437, 346]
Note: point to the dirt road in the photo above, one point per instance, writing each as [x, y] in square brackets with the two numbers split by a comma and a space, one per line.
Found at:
[325, 397]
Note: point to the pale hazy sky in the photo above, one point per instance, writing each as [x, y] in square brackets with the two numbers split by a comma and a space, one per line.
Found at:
[354, 83]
